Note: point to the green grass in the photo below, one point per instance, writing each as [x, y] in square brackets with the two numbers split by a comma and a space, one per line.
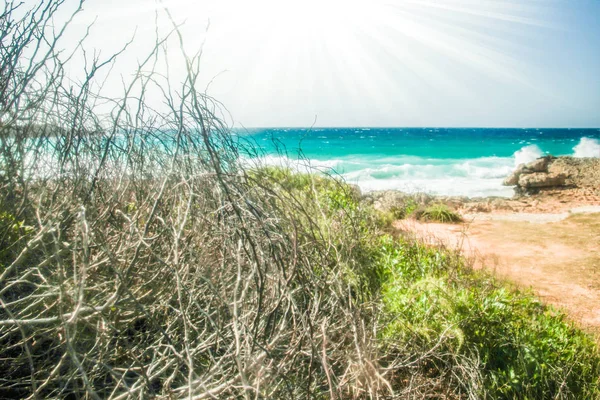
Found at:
[411, 208]
[523, 348]
[405, 210]
[437, 213]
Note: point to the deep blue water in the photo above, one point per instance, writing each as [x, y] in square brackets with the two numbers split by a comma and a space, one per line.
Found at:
[452, 161]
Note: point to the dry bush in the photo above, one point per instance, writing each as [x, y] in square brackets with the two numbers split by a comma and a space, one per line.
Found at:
[139, 259]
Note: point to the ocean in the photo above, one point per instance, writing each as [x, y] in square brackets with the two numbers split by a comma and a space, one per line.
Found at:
[444, 161]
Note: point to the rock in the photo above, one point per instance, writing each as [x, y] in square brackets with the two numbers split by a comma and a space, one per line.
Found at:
[539, 165]
[512, 179]
[453, 201]
[389, 200]
[477, 207]
[580, 172]
[500, 204]
[541, 180]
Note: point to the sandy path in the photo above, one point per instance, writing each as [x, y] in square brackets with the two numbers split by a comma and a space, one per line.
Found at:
[556, 255]
[534, 218]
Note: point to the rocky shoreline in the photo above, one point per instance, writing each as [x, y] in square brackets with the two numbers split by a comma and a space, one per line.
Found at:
[551, 173]
[548, 184]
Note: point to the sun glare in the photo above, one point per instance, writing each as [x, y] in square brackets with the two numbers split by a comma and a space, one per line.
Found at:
[364, 50]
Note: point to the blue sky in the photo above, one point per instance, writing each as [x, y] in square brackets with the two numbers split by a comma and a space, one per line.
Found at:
[526, 63]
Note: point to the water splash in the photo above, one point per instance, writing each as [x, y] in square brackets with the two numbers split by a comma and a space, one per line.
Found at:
[587, 147]
[527, 154]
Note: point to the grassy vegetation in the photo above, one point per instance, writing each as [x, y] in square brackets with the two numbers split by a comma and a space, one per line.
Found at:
[463, 332]
[437, 213]
[524, 349]
[406, 209]
[432, 213]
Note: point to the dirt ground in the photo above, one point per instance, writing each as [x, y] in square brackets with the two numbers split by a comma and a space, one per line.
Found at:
[557, 255]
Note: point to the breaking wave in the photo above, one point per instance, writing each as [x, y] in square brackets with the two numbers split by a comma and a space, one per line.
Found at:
[587, 147]
[527, 154]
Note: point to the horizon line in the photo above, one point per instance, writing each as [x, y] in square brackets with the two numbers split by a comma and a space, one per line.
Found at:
[415, 127]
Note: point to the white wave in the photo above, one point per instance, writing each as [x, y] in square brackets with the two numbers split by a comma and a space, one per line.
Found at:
[587, 147]
[448, 186]
[387, 171]
[474, 177]
[295, 164]
[527, 154]
[486, 168]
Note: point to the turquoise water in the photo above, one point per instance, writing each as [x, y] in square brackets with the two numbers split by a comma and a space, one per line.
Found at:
[446, 161]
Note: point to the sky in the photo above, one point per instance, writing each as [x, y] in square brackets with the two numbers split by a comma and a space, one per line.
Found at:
[446, 63]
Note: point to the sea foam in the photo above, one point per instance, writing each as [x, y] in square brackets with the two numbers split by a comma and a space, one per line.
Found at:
[587, 147]
[527, 154]
[473, 177]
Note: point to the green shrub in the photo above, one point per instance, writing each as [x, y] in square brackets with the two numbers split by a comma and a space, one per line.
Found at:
[437, 213]
[404, 210]
[466, 321]
[457, 321]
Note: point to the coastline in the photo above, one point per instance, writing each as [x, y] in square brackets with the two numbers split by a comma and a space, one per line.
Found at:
[444, 161]
[579, 189]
